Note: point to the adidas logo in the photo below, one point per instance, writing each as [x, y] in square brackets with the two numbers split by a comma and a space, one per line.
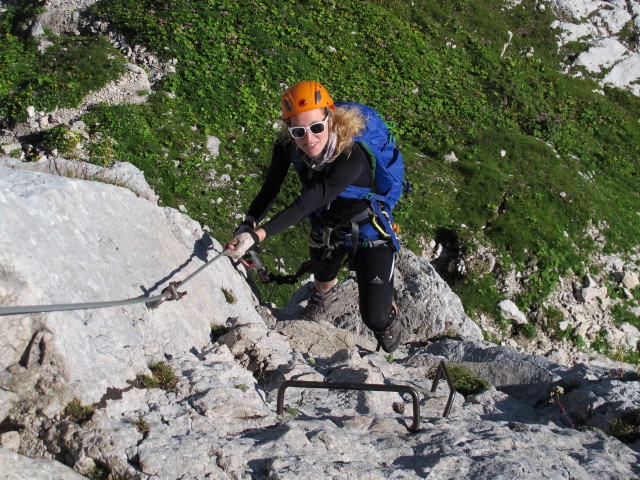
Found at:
[377, 281]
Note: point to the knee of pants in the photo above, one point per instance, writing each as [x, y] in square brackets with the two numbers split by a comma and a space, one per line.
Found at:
[379, 319]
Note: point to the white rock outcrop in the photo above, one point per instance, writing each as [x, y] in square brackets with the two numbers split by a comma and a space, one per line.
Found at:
[510, 311]
[597, 24]
[71, 240]
[66, 240]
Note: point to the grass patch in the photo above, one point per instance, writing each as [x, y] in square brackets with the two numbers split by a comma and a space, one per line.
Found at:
[100, 473]
[218, 330]
[228, 296]
[60, 77]
[447, 334]
[142, 425]
[465, 380]
[626, 427]
[529, 331]
[78, 413]
[602, 344]
[622, 314]
[162, 377]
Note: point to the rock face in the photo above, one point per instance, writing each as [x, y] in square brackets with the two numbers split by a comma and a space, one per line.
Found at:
[84, 240]
[599, 25]
[427, 305]
[66, 240]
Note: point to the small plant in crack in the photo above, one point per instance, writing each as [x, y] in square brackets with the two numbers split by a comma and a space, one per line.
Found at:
[78, 413]
[142, 425]
[162, 377]
[218, 330]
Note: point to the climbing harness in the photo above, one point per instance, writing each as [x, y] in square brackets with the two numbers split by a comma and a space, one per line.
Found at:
[169, 293]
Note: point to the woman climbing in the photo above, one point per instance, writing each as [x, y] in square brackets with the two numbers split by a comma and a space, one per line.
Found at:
[318, 140]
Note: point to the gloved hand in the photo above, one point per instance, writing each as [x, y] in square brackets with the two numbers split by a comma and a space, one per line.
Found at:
[245, 226]
[242, 243]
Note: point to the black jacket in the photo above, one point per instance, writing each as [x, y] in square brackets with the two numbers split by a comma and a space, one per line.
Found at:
[320, 189]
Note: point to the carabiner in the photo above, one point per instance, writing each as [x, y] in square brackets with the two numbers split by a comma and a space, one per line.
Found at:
[378, 228]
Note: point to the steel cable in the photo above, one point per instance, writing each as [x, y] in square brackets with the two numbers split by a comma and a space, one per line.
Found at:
[168, 293]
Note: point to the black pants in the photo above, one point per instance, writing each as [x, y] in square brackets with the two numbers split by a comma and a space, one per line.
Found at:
[374, 274]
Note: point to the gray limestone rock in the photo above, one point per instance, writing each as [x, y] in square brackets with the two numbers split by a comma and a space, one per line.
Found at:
[64, 239]
[86, 242]
[14, 466]
[427, 306]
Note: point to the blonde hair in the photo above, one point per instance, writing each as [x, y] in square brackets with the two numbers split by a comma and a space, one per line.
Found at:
[347, 123]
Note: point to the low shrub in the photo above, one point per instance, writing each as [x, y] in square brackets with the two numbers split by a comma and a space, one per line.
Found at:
[465, 380]
[626, 427]
[78, 413]
[162, 377]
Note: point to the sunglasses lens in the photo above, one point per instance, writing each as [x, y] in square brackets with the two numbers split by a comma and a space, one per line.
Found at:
[317, 128]
[297, 132]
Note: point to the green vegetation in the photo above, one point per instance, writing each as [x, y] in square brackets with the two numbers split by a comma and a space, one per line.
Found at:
[78, 413]
[142, 425]
[162, 377]
[466, 382]
[100, 473]
[626, 428]
[61, 77]
[603, 345]
[218, 330]
[622, 314]
[228, 296]
[529, 331]
[242, 387]
[541, 155]
[292, 411]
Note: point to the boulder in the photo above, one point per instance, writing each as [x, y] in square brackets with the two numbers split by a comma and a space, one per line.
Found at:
[87, 241]
[510, 311]
[121, 173]
[630, 280]
[526, 377]
[20, 467]
[602, 54]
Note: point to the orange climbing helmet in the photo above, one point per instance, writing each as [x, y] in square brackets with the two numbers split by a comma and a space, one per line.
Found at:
[305, 96]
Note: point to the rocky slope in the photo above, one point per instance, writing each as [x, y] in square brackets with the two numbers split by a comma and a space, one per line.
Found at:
[88, 241]
[71, 234]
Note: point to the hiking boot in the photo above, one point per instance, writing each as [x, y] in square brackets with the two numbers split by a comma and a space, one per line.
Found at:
[318, 303]
[389, 338]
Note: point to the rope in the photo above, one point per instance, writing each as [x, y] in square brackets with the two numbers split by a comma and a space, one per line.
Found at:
[169, 293]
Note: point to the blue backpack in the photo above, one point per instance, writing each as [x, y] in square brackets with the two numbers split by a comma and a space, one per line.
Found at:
[386, 165]
[388, 176]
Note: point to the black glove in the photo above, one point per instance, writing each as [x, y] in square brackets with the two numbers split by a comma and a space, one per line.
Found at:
[245, 226]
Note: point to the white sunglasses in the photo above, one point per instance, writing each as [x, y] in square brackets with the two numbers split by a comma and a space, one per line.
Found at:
[315, 128]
